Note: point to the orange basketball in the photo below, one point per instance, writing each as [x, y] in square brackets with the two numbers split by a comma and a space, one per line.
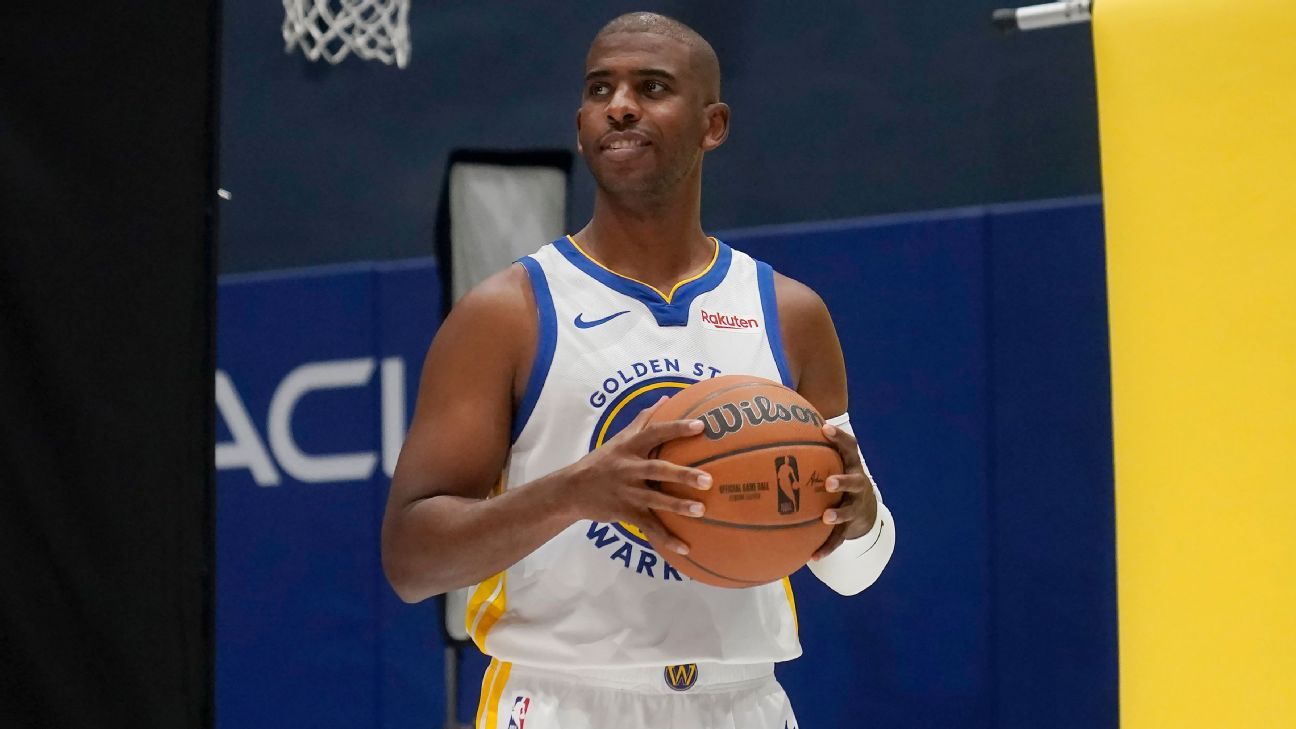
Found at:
[768, 459]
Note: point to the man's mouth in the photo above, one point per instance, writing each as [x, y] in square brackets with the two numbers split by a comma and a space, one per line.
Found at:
[624, 145]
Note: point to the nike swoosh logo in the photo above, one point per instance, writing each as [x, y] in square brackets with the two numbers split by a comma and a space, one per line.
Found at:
[582, 324]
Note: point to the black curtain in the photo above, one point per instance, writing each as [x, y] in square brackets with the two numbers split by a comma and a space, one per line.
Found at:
[107, 152]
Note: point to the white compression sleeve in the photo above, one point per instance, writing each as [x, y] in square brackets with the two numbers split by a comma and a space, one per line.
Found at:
[857, 563]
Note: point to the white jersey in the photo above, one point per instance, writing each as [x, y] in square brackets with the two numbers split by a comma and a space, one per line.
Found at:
[597, 595]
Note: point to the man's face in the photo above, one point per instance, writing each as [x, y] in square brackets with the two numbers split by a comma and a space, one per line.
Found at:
[643, 121]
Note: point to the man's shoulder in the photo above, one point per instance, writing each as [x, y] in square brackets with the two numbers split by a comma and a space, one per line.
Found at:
[503, 289]
[503, 294]
[492, 328]
[810, 344]
[798, 304]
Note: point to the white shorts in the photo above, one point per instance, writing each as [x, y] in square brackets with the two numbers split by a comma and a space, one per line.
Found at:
[705, 696]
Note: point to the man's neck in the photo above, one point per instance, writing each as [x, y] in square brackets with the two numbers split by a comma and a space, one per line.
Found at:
[660, 244]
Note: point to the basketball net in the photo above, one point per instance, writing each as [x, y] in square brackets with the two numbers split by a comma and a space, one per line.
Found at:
[333, 29]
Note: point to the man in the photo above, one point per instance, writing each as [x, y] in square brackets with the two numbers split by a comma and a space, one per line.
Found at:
[547, 372]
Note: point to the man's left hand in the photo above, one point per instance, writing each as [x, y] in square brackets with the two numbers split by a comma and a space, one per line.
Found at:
[855, 515]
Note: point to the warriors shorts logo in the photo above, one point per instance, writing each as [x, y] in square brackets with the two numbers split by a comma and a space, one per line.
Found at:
[681, 678]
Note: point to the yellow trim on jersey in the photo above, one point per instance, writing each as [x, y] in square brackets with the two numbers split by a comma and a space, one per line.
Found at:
[501, 681]
[612, 415]
[715, 255]
[492, 690]
[485, 607]
[787, 587]
[489, 599]
[482, 698]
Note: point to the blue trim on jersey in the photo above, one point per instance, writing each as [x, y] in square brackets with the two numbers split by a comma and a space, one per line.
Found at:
[769, 307]
[545, 345]
[668, 314]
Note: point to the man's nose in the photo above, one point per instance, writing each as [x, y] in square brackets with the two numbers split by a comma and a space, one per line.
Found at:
[623, 107]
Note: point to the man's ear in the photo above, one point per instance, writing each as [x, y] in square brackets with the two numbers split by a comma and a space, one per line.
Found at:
[717, 132]
[579, 148]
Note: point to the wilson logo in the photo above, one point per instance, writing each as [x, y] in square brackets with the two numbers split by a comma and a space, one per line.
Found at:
[731, 417]
[681, 678]
[713, 320]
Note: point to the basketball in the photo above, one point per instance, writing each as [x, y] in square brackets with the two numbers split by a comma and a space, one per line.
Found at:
[768, 458]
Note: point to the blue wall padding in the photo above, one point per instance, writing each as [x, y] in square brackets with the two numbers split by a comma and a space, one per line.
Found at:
[410, 657]
[976, 345]
[296, 608]
[1054, 551]
[909, 305]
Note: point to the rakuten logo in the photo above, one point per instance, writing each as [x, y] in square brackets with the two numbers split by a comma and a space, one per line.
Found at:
[713, 320]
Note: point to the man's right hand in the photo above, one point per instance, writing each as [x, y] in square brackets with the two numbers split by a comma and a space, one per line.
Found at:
[611, 482]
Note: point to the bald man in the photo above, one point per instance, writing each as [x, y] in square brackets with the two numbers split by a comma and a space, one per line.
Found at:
[548, 372]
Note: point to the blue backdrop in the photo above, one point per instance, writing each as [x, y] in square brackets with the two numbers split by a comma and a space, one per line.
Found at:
[976, 344]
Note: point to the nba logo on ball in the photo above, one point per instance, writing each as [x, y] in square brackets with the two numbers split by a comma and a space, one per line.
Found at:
[517, 717]
[788, 478]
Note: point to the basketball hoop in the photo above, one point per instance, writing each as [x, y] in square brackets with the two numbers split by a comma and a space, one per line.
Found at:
[333, 29]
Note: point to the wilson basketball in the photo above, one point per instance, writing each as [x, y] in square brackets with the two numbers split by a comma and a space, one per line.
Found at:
[768, 458]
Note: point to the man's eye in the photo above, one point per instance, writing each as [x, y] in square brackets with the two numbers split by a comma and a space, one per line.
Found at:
[597, 89]
[653, 87]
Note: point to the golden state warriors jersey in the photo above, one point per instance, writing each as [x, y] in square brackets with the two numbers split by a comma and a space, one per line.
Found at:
[598, 594]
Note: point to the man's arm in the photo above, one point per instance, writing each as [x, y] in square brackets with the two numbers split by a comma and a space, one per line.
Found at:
[440, 531]
[818, 371]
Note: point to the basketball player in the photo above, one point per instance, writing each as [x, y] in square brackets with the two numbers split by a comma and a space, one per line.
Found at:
[547, 373]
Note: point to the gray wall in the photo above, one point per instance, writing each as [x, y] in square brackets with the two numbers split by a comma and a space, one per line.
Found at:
[841, 109]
